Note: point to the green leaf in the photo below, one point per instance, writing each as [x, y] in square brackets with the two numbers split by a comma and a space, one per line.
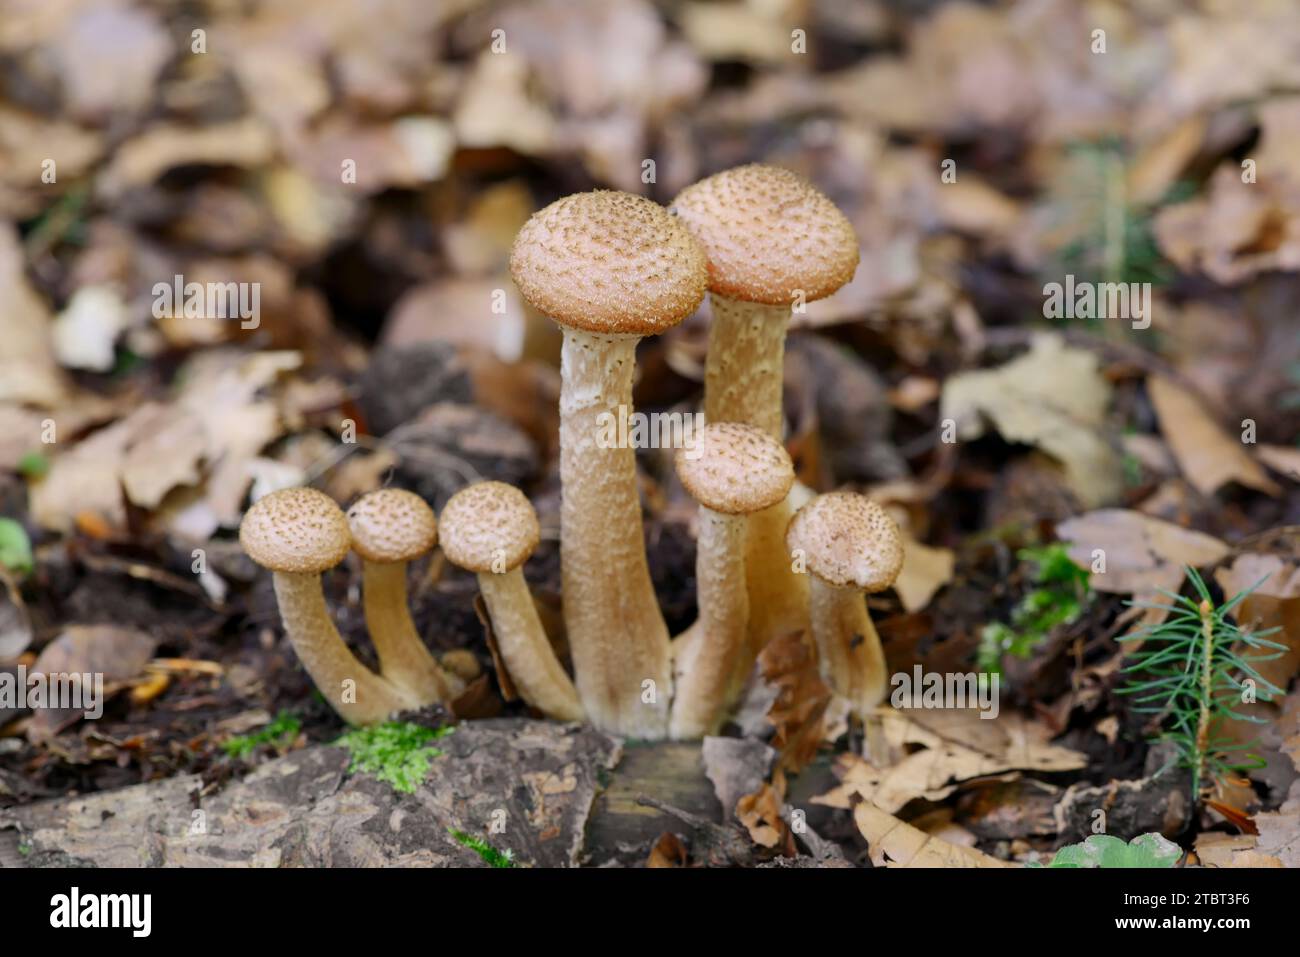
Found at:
[1103, 850]
[33, 465]
[15, 547]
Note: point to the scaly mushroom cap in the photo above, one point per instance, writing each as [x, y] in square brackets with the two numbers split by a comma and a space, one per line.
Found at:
[768, 232]
[847, 539]
[392, 525]
[296, 530]
[489, 527]
[609, 263]
[735, 469]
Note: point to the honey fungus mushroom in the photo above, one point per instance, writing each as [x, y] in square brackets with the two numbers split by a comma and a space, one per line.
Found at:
[609, 268]
[733, 471]
[298, 533]
[773, 240]
[390, 528]
[851, 547]
[490, 529]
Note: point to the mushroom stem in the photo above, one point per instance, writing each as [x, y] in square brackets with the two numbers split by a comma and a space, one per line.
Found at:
[851, 659]
[708, 659]
[523, 645]
[403, 657]
[743, 379]
[744, 371]
[616, 631]
[358, 694]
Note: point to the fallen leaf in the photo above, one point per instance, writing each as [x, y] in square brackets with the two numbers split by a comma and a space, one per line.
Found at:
[1279, 831]
[735, 767]
[1232, 850]
[1055, 398]
[925, 570]
[1209, 457]
[114, 653]
[895, 843]
[1142, 554]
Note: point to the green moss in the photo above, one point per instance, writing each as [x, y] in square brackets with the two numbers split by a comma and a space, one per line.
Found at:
[279, 733]
[483, 849]
[1059, 598]
[397, 753]
[25, 849]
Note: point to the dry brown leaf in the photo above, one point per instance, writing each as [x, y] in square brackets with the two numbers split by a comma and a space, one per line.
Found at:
[1283, 459]
[1142, 554]
[925, 570]
[28, 370]
[895, 843]
[1208, 456]
[1279, 831]
[140, 161]
[797, 712]
[119, 654]
[1055, 398]
[760, 812]
[1232, 850]
[957, 747]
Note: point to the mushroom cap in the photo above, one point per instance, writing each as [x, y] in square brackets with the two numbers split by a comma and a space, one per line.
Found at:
[392, 525]
[296, 530]
[609, 263]
[735, 469]
[847, 539]
[488, 523]
[768, 232]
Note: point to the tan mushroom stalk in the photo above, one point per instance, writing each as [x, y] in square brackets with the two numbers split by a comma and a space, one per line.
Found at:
[850, 546]
[609, 268]
[491, 529]
[390, 528]
[773, 242]
[733, 471]
[299, 533]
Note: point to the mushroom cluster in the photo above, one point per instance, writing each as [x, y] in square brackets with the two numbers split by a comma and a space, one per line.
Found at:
[610, 268]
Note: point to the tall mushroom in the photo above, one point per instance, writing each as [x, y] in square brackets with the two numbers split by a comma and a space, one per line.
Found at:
[733, 471]
[849, 545]
[773, 241]
[490, 528]
[390, 528]
[298, 533]
[609, 268]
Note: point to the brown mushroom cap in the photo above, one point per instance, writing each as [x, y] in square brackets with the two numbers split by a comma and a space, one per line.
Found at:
[768, 232]
[296, 530]
[609, 263]
[488, 523]
[392, 525]
[735, 469]
[847, 539]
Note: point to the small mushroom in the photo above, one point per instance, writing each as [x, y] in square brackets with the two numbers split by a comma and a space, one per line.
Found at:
[773, 241]
[491, 529]
[733, 471]
[849, 545]
[391, 527]
[298, 533]
[609, 268]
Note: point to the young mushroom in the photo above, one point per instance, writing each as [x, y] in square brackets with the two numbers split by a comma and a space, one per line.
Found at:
[773, 241]
[733, 471]
[491, 529]
[298, 533]
[609, 268]
[849, 545]
[391, 527]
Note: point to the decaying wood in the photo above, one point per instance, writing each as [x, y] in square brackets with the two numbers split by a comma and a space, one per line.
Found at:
[523, 786]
